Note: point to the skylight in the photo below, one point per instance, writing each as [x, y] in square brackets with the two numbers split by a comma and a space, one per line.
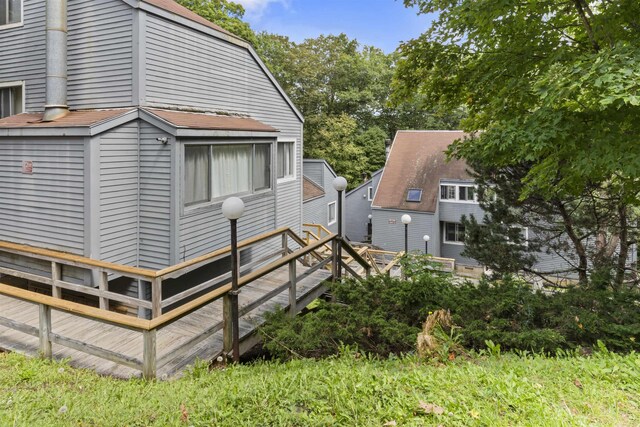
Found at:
[414, 195]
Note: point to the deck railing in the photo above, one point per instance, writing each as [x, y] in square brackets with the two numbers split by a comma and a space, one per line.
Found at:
[185, 302]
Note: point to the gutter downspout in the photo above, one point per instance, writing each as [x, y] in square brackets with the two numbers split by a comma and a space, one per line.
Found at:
[56, 93]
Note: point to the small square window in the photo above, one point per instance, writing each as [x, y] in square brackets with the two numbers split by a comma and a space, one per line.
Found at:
[414, 195]
[11, 101]
[10, 12]
[331, 214]
[447, 192]
[467, 193]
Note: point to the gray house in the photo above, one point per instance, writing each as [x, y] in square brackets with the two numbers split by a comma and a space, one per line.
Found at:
[121, 137]
[320, 204]
[358, 212]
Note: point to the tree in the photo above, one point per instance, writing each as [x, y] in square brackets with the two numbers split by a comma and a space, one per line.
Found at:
[224, 13]
[554, 88]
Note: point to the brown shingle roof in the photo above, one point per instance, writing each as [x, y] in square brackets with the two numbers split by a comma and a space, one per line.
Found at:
[73, 119]
[310, 190]
[417, 160]
[175, 8]
[210, 121]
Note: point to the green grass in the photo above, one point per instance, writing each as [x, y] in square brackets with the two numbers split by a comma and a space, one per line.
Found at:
[352, 391]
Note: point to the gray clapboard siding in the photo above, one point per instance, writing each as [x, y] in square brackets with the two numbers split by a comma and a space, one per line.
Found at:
[119, 195]
[315, 211]
[289, 194]
[100, 52]
[25, 46]
[155, 199]
[453, 211]
[320, 173]
[45, 208]
[358, 209]
[388, 230]
[454, 251]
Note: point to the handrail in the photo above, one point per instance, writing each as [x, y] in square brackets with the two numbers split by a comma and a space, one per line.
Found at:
[320, 228]
[217, 253]
[356, 256]
[72, 259]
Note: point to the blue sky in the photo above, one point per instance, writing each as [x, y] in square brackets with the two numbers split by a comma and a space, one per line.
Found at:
[381, 23]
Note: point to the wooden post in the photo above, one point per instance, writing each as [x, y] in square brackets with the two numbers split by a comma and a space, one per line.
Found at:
[149, 354]
[285, 244]
[104, 287]
[44, 330]
[334, 259]
[292, 288]
[156, 298]
[227, 325]
[56, 276]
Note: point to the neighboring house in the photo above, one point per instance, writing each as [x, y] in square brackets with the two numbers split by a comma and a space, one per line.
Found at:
[320, 198]
[136, 124]
[358, 213]
[418, 180]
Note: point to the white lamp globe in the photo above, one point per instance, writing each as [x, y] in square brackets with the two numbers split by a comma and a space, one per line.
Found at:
[369, 216]
[340, 183]
[426, 238]
[233, 208]
[406, 219]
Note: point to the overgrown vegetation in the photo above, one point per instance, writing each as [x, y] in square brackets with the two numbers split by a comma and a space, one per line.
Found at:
[345, 391]
[383, 315]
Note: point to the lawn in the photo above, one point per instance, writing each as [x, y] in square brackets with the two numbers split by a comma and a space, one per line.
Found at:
[350, 390]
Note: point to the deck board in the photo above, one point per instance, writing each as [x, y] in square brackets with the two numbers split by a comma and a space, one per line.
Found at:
[169, 338]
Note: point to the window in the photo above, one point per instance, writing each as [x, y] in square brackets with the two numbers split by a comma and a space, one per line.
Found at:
[458, 193]
[466, 193]
[453, 233]
[215, 171]
[447, 192]
[370, 193]
[331, 214]
[10, 12]
[414, 195]
[286, 159]
[11, 99]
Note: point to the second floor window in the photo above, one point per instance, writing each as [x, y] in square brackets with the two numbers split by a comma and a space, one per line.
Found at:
[215, 171]
[10, 12]
[458, 193]
[11, 100]
[286, 159]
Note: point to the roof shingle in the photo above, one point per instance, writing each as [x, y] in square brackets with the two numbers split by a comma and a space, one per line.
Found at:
[86, 118]
[210, 121]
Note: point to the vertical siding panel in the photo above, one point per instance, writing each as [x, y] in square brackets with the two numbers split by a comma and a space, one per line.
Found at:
[45, 208]
[23, 54]
[155, 198]
[100, 53]
[119, 195]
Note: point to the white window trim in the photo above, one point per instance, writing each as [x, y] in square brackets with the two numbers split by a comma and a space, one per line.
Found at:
[370, 193]
[15, 24]
[294, 176]
[457, 199]
[335, 213]
[21, 83]
[444, 235]
[215, 202]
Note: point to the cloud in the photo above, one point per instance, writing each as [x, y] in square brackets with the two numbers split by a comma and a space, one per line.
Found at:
[256, 8]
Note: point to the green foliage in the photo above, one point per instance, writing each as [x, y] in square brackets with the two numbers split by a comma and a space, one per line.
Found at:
[224, 13]
[552, 89]
[347, 390]
[383, 315]
[343, 90]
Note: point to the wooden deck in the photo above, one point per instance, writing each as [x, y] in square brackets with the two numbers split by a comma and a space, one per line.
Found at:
[170, 340]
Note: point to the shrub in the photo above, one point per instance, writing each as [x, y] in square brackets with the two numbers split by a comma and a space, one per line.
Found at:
[382, 315]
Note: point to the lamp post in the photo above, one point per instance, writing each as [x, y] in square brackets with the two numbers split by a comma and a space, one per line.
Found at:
[339, 184]
[406, 220]
[370, 228]
[232, 209]
[426, 243]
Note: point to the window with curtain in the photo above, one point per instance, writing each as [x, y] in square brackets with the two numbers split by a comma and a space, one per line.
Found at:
[10, 101]
[215, 171]
[286, 159]
[197, 179]
[10, 12]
